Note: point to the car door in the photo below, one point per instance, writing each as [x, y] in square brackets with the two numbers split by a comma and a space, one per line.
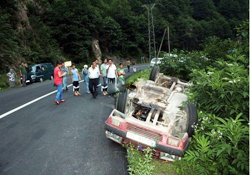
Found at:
[45, 71]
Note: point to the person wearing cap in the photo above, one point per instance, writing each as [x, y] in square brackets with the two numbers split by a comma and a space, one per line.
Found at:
[94, 74]
[86, 77]
[75, 78]
[58, 83]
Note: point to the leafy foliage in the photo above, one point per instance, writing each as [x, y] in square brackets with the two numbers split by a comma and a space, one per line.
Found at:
[66, 28]
[139, 165]
[144, 74]
[224, 89]
[220, 146]
[181, 64]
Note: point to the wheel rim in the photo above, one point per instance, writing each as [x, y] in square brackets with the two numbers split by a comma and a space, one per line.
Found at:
[41, 79]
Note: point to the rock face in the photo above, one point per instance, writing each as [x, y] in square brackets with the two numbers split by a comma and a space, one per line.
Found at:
[23, 20]
[22, 13]
[96, 49]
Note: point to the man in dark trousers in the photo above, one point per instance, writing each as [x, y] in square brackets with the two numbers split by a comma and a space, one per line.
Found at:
[23, 73]
[94, 74]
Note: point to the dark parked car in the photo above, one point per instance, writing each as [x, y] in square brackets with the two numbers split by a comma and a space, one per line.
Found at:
[40, 72]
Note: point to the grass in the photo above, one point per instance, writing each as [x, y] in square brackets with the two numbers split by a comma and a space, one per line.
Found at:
[160, 167]
[144, 74]
[4, 82]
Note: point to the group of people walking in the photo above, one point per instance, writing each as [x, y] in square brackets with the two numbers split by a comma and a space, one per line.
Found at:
[107, 71]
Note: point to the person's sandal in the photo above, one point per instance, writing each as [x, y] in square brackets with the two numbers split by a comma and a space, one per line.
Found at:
[57, 102]
[62, 101]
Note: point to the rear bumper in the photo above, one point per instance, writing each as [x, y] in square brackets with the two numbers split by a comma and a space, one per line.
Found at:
[158, 148]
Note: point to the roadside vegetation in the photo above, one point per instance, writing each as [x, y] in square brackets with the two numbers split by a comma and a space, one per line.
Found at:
[144, 74]
[220, 77]
[38, 31]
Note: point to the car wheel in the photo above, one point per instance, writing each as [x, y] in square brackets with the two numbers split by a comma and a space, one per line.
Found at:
[192, 118]
[52, 77]
[154, 72]
[121, 101]
[41, 79]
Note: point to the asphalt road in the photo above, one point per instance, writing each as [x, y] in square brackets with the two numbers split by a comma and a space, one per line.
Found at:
[45, 139]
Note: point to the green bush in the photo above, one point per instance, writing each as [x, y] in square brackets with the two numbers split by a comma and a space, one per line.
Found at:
[183, 63]
[216, 48]
[139, 165]
[219, 146]
[144, 74]
[4, 81]
[220, 143]
[222, 90]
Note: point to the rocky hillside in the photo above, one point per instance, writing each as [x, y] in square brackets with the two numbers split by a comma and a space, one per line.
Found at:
[47, 30]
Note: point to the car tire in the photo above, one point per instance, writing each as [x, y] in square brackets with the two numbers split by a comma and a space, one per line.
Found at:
[192, 118]
[41, 79]
[121, 101]
[154, 72]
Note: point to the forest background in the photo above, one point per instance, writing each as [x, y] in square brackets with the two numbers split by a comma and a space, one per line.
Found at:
[37, 31]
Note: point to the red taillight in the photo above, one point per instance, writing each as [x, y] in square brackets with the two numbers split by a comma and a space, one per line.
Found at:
[182, 145]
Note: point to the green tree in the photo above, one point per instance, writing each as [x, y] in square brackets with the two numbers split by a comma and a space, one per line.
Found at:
[204, 10]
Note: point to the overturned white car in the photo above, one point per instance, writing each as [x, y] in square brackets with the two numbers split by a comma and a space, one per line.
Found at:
[154, 115]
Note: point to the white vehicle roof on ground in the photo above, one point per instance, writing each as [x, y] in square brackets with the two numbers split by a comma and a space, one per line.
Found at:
[154, 114]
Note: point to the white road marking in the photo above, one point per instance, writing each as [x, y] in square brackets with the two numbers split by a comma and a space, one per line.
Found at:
[37, 99]
[33, 101]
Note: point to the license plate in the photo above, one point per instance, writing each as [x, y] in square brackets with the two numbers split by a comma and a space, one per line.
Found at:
[114, 137]
[141, 139]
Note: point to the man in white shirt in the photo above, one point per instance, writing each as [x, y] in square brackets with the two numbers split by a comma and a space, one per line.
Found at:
[111, 72]
[94, 74]
[98, 66]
